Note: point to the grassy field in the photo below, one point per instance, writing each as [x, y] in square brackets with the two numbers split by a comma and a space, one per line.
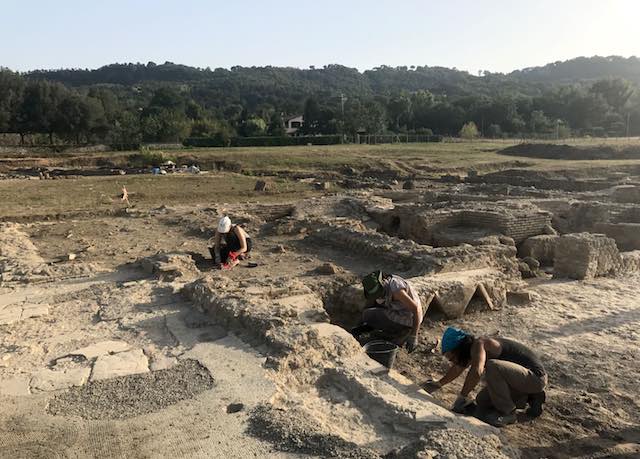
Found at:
[36, 197]
[447, 156]
[481, 154]
[49, 197]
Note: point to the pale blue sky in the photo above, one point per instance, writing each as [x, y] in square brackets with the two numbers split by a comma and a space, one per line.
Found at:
[498, 35]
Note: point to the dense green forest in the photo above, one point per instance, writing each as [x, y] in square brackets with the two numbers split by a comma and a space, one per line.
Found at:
[132, 103]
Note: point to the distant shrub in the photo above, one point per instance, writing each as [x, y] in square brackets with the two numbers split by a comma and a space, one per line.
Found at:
[146, 158]
[424, 131]
[469, 131]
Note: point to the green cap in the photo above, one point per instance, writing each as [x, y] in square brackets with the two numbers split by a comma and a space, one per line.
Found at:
[372, 285]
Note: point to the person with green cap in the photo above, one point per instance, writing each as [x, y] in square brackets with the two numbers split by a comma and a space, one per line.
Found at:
[514, 376]
[393, 308]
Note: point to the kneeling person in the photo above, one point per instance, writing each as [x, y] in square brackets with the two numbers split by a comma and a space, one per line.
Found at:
[513, 373]
[394, 308]
[231, 243]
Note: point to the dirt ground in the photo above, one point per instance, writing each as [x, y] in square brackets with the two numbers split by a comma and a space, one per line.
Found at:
[587, 334]
[585, 330]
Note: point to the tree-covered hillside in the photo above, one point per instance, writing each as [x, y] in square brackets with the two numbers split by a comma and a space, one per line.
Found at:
[129, 103]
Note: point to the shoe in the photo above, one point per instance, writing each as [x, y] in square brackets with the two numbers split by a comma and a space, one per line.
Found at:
[535, 402]
[501, 420]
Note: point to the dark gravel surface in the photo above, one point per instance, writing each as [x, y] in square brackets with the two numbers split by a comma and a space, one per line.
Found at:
[129, 396]
[294, 432]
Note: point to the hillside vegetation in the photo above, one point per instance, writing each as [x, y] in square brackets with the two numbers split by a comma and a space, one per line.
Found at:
[125, 104]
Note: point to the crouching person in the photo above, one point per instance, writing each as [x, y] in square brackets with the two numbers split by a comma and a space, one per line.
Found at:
[231, 243]
[393, 309]
[514, 376]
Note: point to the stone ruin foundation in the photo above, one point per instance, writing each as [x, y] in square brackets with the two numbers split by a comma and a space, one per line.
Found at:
[585, 256]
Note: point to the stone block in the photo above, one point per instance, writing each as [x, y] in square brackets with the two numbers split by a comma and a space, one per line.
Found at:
[122, 364]
[48, 380]
[585, 256]
[542, 248]
[34, 310]
[10, 314]
[631, 261]
[15, 386]
[101, 348]
[626, 194]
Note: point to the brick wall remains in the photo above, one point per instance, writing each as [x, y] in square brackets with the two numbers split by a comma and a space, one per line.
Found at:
[626, 235]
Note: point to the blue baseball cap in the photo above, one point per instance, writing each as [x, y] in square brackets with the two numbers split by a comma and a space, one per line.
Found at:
[451, 338]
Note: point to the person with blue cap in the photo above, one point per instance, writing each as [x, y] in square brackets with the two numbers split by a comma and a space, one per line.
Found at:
[393, 309]
[513, 373]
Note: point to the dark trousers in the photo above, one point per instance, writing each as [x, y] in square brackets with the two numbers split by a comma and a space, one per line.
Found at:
[378, 319]
[226, 249]
[508, 386]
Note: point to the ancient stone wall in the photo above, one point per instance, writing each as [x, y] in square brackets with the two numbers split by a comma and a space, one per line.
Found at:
[448, 295]
[528, 178]
[408, 256]
[585, 256]
[541, 248]
[422, 224]
[626, 194]
[517, 225]
[583, 216]
[630, 214]
[626, 235]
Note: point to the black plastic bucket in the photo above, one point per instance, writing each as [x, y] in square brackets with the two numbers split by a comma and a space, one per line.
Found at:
[383, 352]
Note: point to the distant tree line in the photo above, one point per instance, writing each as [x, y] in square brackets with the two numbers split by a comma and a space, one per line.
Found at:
[125, 104]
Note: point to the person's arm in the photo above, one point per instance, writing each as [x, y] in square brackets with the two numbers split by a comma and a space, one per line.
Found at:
[412, 306]
[411, 342]
[242, 238]
[450, 375]
[216, 247]
[478, 360]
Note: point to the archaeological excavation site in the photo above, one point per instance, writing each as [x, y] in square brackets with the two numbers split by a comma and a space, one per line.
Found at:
[120, 337]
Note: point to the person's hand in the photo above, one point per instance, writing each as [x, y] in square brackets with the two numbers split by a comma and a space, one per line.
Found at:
[411, 343]
[431, 386]
[461, 403]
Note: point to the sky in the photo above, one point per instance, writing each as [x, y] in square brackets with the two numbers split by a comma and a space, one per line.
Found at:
[494, 35]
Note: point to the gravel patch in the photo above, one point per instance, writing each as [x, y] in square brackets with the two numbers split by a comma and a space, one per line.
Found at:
[293, 431]
[453, 444]
[133, 395]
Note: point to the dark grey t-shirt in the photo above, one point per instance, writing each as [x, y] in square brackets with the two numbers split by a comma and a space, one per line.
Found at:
[512, 351]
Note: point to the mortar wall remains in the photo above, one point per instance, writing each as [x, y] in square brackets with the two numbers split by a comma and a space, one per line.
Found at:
[542, 248]
[626, 194]
[631, 261]
[628, 215]
[544, 183]
[518, 226]
[626, 235]
[585, 256]
[423, 225]
[409, 257]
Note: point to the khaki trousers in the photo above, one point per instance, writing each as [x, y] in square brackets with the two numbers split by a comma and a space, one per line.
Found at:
[508, 386]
